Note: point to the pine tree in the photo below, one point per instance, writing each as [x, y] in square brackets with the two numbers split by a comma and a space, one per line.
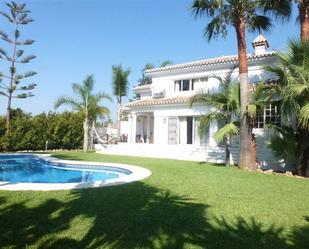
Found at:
[10, 82]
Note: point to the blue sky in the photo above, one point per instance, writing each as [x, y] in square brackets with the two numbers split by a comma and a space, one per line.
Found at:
[75, 38]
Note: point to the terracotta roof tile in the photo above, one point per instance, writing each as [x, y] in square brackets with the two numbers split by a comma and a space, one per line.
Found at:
[209, 62]
[162, 101]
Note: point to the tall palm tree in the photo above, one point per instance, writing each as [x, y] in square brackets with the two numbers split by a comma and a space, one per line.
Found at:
[293, 93]
[303, 8]
[303, 16]
[225, 107]
[120, 84]
[87, 103]
[242, 15]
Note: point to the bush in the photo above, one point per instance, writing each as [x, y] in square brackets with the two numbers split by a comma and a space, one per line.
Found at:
[62, 131]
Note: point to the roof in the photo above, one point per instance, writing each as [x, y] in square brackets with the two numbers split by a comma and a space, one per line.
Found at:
[161, 101]
[209, 62]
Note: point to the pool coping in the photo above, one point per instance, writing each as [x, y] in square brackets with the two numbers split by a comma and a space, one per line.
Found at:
[138, 173]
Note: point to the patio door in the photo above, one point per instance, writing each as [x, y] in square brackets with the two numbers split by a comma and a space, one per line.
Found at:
[172, 130]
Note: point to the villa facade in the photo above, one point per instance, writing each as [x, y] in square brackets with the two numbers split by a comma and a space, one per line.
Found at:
[161, 122]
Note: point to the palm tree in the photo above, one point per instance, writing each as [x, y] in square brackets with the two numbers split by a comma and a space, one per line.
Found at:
[303, 15]
[87, 103]
[166, 63]
[120, 84]
[303, 8]
[293, 74]
[242, 15]
[226, 108]
[293, 93]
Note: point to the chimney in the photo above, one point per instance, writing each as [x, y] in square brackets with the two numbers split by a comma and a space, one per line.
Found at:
[260, 45]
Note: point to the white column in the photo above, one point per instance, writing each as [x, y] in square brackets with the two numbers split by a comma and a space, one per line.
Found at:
[133, 128]
[130, 128]
[148, 128]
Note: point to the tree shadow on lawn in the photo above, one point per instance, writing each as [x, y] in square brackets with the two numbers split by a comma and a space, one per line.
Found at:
[133, 216]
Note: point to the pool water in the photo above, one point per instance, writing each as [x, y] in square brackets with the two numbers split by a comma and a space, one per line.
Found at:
[33, 169]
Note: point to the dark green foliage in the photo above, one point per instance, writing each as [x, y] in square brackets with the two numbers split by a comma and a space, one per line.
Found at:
[62, 131]
[120, 82]
[18, 15]
[10, 82]
[284, 144]
[255, 15]
[293, 95]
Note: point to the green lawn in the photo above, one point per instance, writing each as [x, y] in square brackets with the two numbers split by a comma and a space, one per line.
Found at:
[182, 205]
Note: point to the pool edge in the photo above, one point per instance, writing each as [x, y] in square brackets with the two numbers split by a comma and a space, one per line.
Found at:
[138, 173]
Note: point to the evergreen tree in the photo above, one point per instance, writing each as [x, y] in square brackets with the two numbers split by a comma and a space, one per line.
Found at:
[10, 84]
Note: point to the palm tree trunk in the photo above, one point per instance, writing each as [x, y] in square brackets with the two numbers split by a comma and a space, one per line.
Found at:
[304, 19]
[86, 130]
[246, 155]
[228, 151]
[118, 120]
[91, 127]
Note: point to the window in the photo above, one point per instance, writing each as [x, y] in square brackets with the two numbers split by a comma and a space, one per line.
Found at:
[183, 85]
[192, 84]
[267, 115]
[189, 130]
[188, 84]
[177, 86]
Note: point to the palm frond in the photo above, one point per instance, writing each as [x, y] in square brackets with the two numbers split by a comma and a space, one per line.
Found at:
[212, 100]
[296, 90]
[279, 8]
[215, 27]
[88, 83]
[80, 91]
[259, 23]
[252, 111]
[205, 7]
[225, 131]
[65, 100]
[166, 63]
[120, 82]
[205, 120]
[102, 96]
[303, 118]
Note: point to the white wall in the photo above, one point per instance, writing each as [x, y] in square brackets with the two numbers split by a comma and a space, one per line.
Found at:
[256, 74]
[124, 127]
[145, 95]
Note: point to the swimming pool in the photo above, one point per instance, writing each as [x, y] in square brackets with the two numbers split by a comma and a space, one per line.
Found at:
[41, 172]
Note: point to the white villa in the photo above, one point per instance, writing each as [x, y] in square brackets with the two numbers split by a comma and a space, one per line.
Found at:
[162, 124]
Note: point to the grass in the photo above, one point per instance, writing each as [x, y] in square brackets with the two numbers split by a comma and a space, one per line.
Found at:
[182, 205]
